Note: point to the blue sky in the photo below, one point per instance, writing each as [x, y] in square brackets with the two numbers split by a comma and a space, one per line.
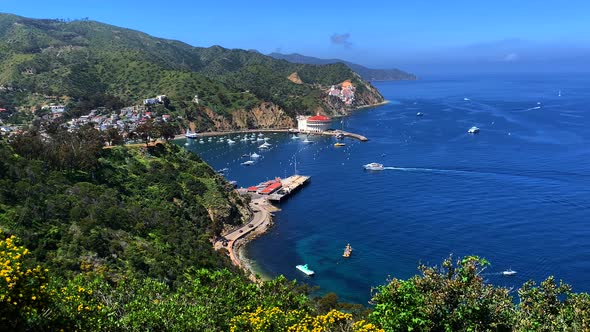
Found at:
[414, 35]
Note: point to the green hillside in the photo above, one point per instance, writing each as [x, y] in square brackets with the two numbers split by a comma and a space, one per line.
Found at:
[91, 61]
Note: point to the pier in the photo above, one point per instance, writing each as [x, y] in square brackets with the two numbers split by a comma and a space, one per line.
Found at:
[290, 185]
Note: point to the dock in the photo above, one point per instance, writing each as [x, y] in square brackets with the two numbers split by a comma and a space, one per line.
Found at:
[290, 185]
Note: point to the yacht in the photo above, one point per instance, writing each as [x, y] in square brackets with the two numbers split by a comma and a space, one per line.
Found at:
[374, 167]
[339, 144]
[509, 272]
[248, 163]
[347, 251]
[254, 155]
[305, 269]
[190, 134]
[473, 130]
[419, 114]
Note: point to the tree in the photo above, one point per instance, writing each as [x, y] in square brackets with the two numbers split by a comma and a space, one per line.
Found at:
[148, 131]
[167, 130]
[452, 298]
[113, 137]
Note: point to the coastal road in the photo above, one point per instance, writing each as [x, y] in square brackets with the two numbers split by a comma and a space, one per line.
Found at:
[260, 220]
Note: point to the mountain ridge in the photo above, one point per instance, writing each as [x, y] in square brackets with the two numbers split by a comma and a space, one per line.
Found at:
[85, 60]
[368, 74]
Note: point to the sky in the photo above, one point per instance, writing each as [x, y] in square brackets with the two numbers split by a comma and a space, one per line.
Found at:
[417, 35]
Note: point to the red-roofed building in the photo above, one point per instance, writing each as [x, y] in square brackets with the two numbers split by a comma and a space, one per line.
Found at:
[316, 123]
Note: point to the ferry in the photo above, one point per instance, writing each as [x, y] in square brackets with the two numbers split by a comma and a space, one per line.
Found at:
[509, 272]
[305, 269]
[374, 167]
[347, 251]
[339, 144]
[473, 130]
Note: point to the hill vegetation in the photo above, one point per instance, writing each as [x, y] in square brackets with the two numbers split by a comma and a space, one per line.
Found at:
[368, 74]
[119, 239]
[89, 64]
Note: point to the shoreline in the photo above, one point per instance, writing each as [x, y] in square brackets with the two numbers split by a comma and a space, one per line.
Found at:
[236, 240]
[272, 130]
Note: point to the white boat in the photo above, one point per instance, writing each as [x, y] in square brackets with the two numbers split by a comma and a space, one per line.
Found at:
[190, 134]
[509, 272]
[259, 139]
[466, 99]
[260, 135]
[254, 155]
[201, 142]
[307, 141]
[305, 269]
[374, 167]
[245, 139]
[265, 146]
[559, 94]
[473, 130]
[230, 141]
[419, 114]
[294, 137]
[248, 163]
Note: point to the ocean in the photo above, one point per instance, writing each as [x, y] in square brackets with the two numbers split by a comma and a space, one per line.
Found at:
[517, 193]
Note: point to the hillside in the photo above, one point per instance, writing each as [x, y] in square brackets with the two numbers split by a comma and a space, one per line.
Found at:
[368, 74]
[91, 64]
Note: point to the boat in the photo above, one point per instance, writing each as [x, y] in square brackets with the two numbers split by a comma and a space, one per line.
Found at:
[294, 137]
[230, 141]
[339, 136]
[466, 99]
[559, 94]
[307, 141]
[245, 155]
[347, 251]
[419, 114]
[254, 155]
[265, 146]
[248, 163]
[190, 134]
[305, 269]
[201, 142]
[221, 171]
[473, 130]
[339, 144]
[374, 167]
[509, 272]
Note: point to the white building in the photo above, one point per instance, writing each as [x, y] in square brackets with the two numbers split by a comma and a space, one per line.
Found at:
[314, 124]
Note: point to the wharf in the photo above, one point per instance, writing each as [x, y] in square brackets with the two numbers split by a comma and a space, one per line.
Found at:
[336, 133]
[290, 185]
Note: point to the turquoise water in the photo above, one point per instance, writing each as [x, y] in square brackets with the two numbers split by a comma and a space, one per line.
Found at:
[518, 193]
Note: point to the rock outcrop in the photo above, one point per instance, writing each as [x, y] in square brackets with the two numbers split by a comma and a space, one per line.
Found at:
[265, 115]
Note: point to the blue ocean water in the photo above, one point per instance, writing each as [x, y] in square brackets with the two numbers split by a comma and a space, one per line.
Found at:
[517, 193]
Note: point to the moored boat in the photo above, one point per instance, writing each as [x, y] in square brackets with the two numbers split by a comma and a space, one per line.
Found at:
[339, 144]
[305, 269]
[473, 130]
[347, 251]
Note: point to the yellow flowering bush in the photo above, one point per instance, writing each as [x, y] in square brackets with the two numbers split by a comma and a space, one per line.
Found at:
[274, 320]
[23, 288]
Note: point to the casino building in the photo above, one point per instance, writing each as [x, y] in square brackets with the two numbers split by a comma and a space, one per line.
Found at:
[313, 124]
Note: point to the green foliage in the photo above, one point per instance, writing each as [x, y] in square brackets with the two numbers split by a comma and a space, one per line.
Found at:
[101, 65]
[452, 298]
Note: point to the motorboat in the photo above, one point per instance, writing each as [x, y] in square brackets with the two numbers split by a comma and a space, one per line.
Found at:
[347, 251]
[190, 134]
[221, 171]
[374, 167]
[419, 114]
[339, 136]
[307, 141]
[509, 272]
[230, 141]
[294, 137]
[248, 163]
[254, 155]
[338, 144]
[265, 146]
[305, 269]
[473, 130]
[201, 142]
